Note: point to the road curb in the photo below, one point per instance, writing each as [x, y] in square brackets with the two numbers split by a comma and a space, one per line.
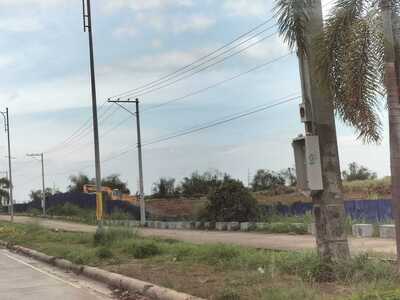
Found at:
[113, 280]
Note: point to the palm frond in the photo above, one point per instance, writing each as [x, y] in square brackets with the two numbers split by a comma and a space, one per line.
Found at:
[4, 183]
[292, 16]
[350, 60]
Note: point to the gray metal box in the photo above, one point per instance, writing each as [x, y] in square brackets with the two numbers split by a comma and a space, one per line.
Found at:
[305, 113]
[308, 163]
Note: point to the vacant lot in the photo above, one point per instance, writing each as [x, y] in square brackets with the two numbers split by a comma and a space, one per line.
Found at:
[214, 271]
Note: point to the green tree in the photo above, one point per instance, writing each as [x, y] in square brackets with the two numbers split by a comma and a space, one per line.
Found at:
[231, 201]
[200, 184]
[266, 180]
[290, 176]
[358, 172]
[4, 194]
[359, 62]
[114, 182]
[36, 196]
[164, 188]
[300, 22]
[77, 182]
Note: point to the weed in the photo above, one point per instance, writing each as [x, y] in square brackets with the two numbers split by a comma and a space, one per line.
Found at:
[145, 249]
[108, 236]
[104, 253]
[229, 294]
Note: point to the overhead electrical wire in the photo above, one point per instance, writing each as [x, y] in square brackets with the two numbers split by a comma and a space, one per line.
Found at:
[168, 83]
[196, 61]
[253, 69]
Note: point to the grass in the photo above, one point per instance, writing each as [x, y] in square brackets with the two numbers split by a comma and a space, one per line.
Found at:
[215, 271]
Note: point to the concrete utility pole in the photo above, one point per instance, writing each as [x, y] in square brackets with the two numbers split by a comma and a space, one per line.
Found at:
[140, 160]
[328, 200]
[6, 117]
[87, 24]
[41, 156]
[391, 32]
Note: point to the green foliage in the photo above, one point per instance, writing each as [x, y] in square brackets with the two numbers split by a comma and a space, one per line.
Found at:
[358, 172]
[144, 249]
[104, 253]
[289, 228]
[266, 180]
[36, 196]
[229, 294]
[4, 193]
[292, 17]
[201, 184]
[108, 236]
[378, 295]
[77, 182]
[306, 268]
[231, 201]
[351, 64]
[165, 188]
[114, 182]
[298, 292]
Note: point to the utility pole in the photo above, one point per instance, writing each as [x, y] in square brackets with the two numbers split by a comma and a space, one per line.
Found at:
[318, 115]
[41, 156]
[87, 24]
[140, 159]
[6, 117]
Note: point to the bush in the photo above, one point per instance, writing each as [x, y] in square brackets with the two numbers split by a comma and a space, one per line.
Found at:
[104, 253]
[145, 249]
[108, 236]
[231, 201]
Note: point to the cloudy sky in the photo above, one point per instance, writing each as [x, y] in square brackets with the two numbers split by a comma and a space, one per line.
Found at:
[44, 80]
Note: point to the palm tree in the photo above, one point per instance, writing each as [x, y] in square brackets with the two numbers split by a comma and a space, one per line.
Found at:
[300, 22]
[358, 63]
[4, 194]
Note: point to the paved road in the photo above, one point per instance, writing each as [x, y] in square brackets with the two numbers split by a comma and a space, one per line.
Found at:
[22, 278]
[255, 240]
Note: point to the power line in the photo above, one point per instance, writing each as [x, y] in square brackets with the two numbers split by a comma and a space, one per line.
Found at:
[215, 123]
[256, 68]
[167, 84]
[194, 129]
[196, 61]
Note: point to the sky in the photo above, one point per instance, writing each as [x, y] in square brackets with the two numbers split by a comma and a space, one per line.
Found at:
[45, 83]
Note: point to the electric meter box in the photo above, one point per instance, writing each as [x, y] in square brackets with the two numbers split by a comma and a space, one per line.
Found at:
[308, 163]
[305, 113]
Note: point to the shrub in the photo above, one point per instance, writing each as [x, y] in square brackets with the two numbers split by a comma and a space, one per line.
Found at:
[107, 236]
[231, 201]
[145, 249]
[104, 253]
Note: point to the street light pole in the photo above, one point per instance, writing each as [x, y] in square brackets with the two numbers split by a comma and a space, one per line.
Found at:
[41, 156]
[87, 24]
[7, 128]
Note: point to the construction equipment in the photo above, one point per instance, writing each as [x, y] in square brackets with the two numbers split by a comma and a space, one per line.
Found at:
[113, 194]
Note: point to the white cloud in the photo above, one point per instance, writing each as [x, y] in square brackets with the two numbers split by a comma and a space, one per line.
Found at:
[6, 61]
[126, 30]
[247, 7]
[22, 24]
[193, 23]
[270, 48]
[140, 5]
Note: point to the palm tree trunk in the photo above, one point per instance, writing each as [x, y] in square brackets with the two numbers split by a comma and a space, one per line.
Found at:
[392, 85]
[329, 203]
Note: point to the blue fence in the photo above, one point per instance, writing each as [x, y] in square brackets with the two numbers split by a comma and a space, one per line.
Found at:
[368, 210]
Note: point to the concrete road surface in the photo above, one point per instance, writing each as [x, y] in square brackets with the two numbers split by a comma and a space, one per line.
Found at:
[22, 278]
[249, 239]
